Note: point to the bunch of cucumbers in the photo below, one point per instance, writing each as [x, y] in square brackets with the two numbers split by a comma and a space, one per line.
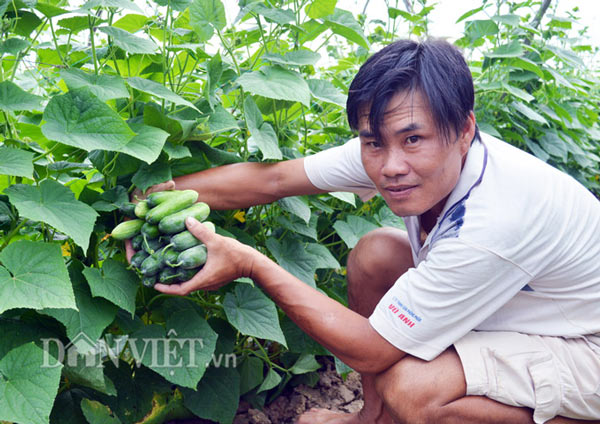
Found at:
[166, 252]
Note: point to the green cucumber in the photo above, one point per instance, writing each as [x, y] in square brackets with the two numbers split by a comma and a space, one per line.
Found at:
[179, 202]
[168, 275]
[175, 223]
[153, 263]
[150, 230]
[136, 242]
[152, 245]
[128, 209]
[141, 209]
[138, 258]
[170, 257]
[184, 240]
[157, 198]
[186, 274]
[193, 257]
[149, 280]
[127, 229]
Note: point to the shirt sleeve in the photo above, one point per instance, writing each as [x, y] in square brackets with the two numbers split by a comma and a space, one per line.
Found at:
[340, 169]
[454, 289]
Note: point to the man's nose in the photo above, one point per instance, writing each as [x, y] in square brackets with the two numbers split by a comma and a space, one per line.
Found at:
[395, 164]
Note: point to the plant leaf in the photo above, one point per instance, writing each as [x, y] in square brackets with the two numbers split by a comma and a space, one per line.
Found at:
[155, 173]
[301, 259]
[92, 316]
[114, 283]
[217, 396]
[327, 92]
[352, 229]
[97, 413]
[276, 82]
[181, 353]
[129, 42]
[252, 313]
[28, 388]
[121, 4]
[158, 90]
[35, 277]
[147, 144]
[295, 205]
[80, 119]
[294, 58]
[320, 8]
[13, 98]
[205, 15]
[513, 49]
[105, 87]
[16, 162]
[343, 23]
[55, 204]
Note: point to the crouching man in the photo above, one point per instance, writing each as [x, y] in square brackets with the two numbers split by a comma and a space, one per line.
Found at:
[487, 310]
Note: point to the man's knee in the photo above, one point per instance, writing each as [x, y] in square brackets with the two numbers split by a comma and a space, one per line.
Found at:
[414, 390]
[382, 254]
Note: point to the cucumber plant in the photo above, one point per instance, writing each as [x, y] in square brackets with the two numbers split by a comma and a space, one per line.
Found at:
[100, 98]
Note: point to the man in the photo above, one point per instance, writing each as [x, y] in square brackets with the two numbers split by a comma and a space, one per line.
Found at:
[497, 242]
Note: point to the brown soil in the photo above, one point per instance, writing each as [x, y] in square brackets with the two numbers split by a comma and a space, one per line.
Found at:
[330, 392]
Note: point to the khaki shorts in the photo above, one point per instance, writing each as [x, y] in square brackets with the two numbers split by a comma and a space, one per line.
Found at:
[551, 375]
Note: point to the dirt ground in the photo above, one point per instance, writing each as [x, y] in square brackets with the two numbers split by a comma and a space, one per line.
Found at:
[331, 392]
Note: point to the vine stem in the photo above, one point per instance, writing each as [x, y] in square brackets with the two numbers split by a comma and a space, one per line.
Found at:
[12, 234]
[95, 59]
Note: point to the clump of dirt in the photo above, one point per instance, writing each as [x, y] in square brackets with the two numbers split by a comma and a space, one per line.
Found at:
[331, 392]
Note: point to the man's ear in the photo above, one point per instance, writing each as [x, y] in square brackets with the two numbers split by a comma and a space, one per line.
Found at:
[468, 132]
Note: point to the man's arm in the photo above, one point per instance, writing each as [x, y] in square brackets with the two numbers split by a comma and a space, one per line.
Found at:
[345, 333]
[242, 185]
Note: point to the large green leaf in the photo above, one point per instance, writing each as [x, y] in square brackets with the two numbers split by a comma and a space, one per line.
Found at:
[12, 98]
[155, 173]
[217, 396]
[513, 49]
[129, 42]
[296, 206]
[261, 133]
[271, 380]
[16, 162]
[352, 229]
[158, 90]
[529, 112]
[276, 82]
[252, 313]
[92, 316]
[205, 15]
[121, 4]
[294, 58]
[88, 372]
[80, 119]
[115, 283]
[55, 204]
[27, 388]
[301, 259]
[97, 413]
[320, 8]
[554, 145]
[274, 14]
[298, 225]
[34, 276]
[13, 46]
[343, 23]
[105, 87]
[478, 29]
[327, 92]
[251, 374]
[181, 352]
[147, 144]
[221, 120]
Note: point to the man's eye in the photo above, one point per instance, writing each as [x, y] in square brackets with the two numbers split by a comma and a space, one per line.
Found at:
[412, 139]
[374, 144]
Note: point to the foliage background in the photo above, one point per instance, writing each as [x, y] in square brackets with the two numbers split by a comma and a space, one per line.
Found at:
[99, 97]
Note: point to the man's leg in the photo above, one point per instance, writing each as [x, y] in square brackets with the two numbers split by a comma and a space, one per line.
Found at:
[374, 265]
[417, 392]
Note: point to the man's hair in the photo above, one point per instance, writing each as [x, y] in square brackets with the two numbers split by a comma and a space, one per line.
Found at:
[435, 68]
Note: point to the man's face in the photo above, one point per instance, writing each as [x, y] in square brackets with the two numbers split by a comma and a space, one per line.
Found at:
[413, 167]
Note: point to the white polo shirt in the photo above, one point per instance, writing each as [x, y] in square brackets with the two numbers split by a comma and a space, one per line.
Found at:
[516, 248]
